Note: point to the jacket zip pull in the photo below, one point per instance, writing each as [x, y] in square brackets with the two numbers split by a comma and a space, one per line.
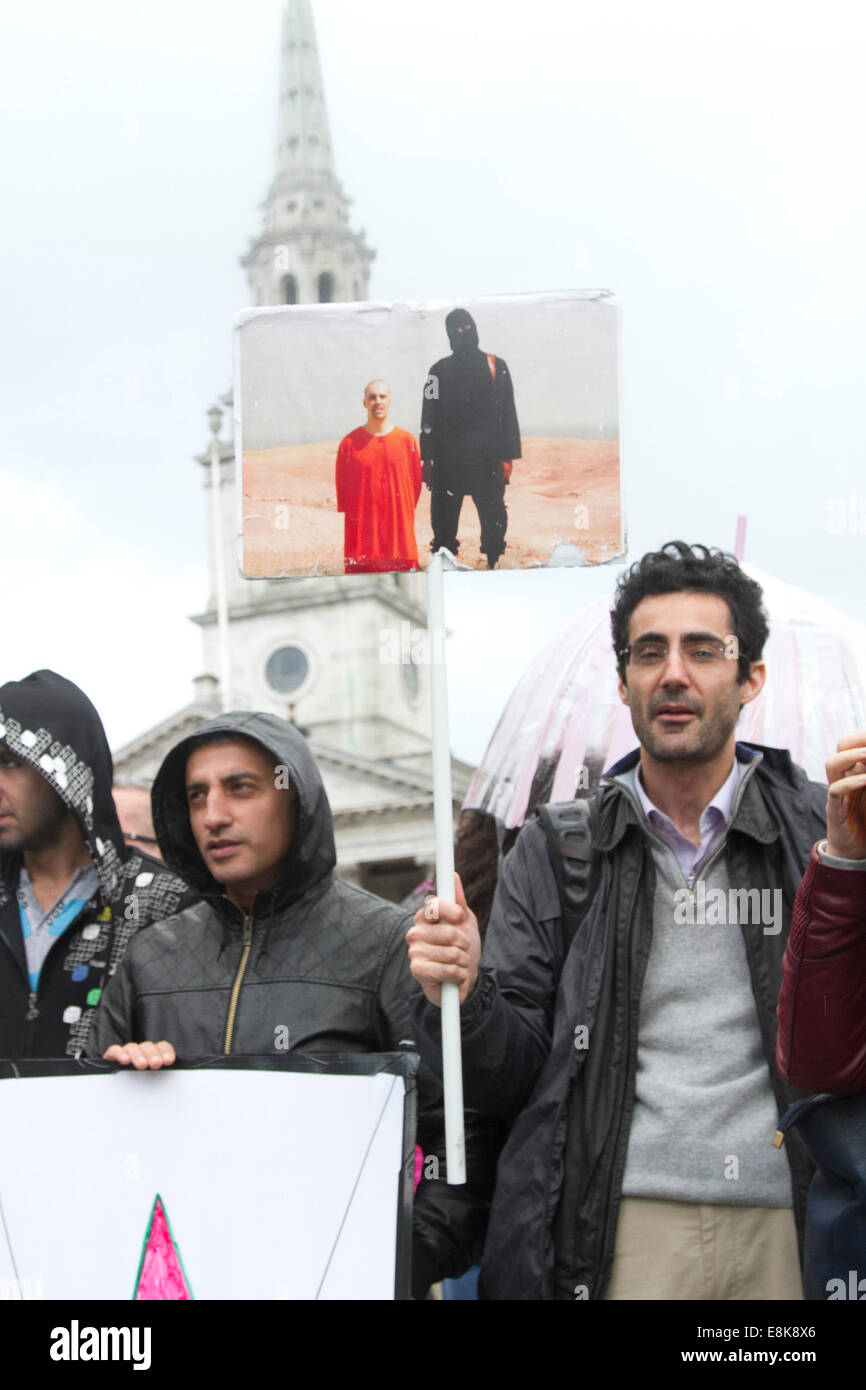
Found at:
[238, 981]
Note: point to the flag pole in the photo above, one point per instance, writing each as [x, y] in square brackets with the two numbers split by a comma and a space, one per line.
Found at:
[452, 1066]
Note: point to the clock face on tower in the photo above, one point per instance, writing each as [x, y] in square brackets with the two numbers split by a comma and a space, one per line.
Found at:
[287, 669]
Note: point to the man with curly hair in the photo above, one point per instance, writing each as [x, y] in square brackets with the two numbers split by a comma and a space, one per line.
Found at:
[623, 1023]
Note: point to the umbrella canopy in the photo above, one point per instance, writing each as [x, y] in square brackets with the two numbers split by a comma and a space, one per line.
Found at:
[565, 723]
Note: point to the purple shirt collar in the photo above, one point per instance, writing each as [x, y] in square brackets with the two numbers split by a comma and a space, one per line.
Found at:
[714, 821]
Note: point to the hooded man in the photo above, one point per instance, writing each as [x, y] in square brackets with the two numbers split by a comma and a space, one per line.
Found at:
[72, 892]
[279, 955]
[469, 438]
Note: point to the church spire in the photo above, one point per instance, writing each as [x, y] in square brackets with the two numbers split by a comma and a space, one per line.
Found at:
[304, 137]
[306, 252]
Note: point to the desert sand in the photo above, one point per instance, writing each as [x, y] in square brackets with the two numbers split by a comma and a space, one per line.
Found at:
[562, 490]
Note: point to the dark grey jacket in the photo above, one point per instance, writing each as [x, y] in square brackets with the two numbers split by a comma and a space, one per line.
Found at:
[554, 1215]
[327, 970]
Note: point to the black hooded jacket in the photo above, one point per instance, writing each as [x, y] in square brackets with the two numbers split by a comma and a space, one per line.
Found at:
[319, 966]
[49, 723]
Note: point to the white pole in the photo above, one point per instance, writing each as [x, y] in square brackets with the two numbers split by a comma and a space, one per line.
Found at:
[219, 574]
[452, 1066]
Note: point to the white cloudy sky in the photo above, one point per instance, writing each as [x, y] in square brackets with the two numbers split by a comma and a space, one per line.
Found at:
[703, 161]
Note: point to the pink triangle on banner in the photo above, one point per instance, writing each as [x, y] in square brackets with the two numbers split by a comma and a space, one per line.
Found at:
[160, 1273]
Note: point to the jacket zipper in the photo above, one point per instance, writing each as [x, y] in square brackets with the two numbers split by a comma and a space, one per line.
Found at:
[238, 981]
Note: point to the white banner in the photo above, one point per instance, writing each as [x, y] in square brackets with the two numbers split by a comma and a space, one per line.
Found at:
[274, 1184]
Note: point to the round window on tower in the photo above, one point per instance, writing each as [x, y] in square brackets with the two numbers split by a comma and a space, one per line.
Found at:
[287, 669]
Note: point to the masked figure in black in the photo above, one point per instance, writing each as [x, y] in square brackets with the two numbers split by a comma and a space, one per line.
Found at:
[469, 438]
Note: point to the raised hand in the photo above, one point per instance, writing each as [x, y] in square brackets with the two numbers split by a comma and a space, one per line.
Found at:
[846, 798]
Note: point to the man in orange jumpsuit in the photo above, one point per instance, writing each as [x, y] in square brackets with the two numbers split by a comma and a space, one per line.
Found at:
[378, 484]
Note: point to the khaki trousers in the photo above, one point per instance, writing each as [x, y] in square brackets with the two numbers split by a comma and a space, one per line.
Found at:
[684, 1250]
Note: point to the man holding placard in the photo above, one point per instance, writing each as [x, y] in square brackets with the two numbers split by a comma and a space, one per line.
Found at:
[622, 1019]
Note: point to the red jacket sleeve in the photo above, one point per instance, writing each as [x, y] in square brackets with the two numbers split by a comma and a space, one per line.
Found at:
[821, 1042]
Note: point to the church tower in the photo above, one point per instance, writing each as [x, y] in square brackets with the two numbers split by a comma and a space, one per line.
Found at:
[305, 252]
[310, 648]
[336, 655]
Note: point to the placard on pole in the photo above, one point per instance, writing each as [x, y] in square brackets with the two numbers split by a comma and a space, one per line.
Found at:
[373, 436]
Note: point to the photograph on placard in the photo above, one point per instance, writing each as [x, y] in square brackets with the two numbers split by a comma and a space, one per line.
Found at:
[371, 435]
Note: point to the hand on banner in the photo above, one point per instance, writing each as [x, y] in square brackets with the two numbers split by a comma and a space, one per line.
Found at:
[846, 798]
[445, 944]
[141, 1055]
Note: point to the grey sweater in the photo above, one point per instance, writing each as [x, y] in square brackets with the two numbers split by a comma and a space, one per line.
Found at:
[704, 1116]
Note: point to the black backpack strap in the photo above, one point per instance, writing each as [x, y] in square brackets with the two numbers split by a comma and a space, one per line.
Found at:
[567, 825]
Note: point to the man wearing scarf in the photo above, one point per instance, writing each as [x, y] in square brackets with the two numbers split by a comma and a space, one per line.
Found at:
[73, 893]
